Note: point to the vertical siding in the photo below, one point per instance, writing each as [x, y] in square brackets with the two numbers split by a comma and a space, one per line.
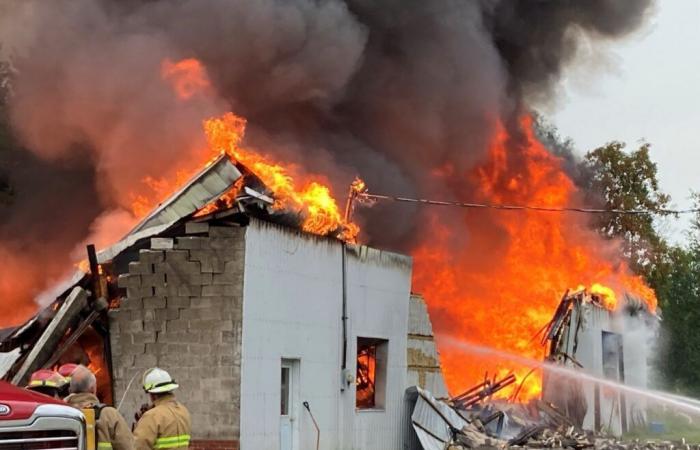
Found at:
[292, 309]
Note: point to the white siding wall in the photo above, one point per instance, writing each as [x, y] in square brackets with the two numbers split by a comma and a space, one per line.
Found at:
[590, 355]
[292, 309]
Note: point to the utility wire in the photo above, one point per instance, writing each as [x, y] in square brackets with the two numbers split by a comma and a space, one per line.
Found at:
[368, 196]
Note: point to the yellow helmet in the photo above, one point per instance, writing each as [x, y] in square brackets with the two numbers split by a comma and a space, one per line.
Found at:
[158, 381]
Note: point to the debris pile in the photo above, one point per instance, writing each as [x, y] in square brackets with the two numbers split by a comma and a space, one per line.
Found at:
[467, 423]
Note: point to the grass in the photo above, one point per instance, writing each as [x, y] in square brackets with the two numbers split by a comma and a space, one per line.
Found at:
[677, 426]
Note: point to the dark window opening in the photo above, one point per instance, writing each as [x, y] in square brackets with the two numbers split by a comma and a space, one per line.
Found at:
[284, 407]
[370, 378]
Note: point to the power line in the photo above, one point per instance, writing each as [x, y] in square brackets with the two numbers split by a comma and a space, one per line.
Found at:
[368, 196]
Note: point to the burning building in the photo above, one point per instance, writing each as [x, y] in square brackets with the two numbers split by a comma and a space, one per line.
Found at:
[613, 344]
[270, 331]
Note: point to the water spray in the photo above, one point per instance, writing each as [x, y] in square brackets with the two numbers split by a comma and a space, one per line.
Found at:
[683, 403]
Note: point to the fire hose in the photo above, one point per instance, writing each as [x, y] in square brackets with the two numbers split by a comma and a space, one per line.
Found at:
[318, 430]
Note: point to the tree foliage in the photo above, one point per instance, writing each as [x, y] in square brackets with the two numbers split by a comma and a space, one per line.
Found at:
[628, 180]
[677, 284]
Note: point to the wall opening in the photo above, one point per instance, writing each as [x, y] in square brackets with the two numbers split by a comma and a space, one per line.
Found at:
[614, 369]
[370, 378]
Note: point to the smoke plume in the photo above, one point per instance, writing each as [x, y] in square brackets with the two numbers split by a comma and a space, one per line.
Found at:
[395, 91]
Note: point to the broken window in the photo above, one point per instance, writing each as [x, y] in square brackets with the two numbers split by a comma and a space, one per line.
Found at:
[370, 379]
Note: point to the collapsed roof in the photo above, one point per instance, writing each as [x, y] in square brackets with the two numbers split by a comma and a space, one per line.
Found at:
[233, 192]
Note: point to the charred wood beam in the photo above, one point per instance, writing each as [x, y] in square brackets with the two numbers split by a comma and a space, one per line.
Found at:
[101, 305]
[525, 436]
[46, 345]
[482, 391]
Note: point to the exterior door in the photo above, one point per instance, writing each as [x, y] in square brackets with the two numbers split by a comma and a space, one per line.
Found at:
[286, 409]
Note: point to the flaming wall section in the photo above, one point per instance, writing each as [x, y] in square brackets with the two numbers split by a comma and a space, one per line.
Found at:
[183, 312]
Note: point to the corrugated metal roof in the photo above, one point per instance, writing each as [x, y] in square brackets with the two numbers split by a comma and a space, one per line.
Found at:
[206, 186]
[433, 421]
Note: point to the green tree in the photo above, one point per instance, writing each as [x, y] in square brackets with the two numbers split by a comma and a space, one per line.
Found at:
[677, 284]
[619, 179]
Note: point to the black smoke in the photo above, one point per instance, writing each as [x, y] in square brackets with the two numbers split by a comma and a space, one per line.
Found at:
[394, 91]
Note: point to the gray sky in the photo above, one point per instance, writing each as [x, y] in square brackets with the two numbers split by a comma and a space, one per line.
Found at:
[649, 90]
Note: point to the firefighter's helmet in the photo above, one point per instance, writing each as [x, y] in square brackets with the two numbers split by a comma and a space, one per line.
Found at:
[47, 382]
[66, 370]
[158, 381]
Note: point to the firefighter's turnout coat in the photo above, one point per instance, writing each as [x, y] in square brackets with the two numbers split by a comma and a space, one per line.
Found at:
[165, 426]
[111, 428]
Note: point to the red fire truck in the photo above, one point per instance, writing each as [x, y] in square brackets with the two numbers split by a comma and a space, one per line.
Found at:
[29, 421]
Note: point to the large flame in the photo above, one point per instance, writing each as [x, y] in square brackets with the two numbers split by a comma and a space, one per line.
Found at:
[295, 191]
[498, 280]
[310, 197]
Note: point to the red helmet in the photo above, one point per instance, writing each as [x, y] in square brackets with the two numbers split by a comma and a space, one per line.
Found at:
[67, 370]
[46, 378]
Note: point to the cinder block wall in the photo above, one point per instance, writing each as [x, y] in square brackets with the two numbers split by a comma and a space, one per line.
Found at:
[183, 313]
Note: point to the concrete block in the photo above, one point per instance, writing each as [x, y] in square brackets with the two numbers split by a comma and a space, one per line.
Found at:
[143, 337]
[174, 326]
[178, 302]
[197, 325]
[199, 349]
[154, 302]
[129, 280]
[234, 266]
[211, 261]
[156, 348]
[160, 243]
[151, 256]
[154, 325]
[153, 279]
[139, 292]
[131, 303]
[146, 360]
[137, 268]
[196, 227]
[229, 337]
[176, 256]
[191, 243]
[188, 290]
[220, 290]
[179, 337]
[208, 337]
[223, 232]
[230, 278]
[131, 326]
[167, 314]
[217, 303]
[129, 348]
[125, 360]
[223, 243]
[201, 313]
[149, 315]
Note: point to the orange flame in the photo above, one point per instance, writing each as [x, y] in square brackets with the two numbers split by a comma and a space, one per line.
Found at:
[188, 77]
[497, 281]
[311, 198]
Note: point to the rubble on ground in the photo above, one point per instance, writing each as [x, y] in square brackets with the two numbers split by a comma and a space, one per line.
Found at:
[446, 424]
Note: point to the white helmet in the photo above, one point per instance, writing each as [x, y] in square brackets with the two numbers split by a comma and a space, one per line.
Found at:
[158, 381]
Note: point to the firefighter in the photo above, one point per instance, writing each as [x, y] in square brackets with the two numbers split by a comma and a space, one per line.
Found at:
[111, 428]
[66, 370]
[167, 424]
[47, 382]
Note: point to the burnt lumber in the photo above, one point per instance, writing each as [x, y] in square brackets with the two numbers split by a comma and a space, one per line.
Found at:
[45, 346]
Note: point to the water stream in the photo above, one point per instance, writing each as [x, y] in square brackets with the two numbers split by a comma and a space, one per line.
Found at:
[687, 404]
